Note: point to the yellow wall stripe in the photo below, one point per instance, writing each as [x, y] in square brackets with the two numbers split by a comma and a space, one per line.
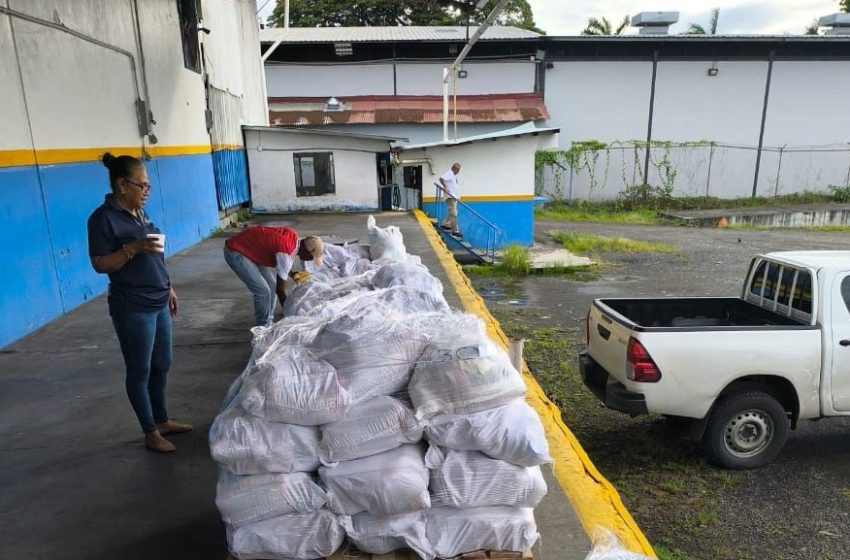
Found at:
[594, 499]
[12, 158]
[488, 198]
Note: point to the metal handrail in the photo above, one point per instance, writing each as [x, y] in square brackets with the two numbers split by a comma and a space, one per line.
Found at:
[492, 229]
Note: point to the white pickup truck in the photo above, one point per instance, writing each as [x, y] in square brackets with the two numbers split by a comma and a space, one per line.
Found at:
[740, 367]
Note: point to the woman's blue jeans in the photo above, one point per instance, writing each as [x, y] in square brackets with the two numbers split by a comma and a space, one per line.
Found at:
[145, 338]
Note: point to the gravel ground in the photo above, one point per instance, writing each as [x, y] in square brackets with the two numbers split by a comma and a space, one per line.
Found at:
[796, 508]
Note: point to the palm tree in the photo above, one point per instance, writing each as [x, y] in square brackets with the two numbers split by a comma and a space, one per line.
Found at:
[596, 26]
[697, 29]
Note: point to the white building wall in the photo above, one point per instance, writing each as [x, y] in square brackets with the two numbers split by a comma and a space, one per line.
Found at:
[327, 80]
[270, 159]
[691, 105]
[13, 114]
[604, 101]
[482, 78]
[489, 168]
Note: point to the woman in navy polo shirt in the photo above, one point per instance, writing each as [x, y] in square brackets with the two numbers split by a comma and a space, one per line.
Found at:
[141, 298]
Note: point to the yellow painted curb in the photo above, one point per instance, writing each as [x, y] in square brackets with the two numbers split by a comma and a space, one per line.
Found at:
[594, 499]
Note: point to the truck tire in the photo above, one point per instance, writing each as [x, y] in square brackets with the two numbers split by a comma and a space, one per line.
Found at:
[745, 431]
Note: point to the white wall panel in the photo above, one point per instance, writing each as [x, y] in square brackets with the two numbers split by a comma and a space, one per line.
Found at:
[292, 80]
[482, 78]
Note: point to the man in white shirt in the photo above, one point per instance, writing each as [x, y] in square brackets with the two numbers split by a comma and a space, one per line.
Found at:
[449, 182]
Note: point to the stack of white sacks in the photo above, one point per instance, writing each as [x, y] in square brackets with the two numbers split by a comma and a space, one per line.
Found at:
[374, 411]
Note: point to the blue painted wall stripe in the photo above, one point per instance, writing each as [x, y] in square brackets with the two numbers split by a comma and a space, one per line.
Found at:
[44, 210]
[515, 219]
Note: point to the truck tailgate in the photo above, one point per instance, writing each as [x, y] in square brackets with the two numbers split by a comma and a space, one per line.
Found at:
[608, 339]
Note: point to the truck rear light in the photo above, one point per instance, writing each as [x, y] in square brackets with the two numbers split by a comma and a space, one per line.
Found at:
[587, 329]
[639, 364]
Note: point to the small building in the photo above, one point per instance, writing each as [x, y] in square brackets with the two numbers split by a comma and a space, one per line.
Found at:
[496, 180]
[294, 170]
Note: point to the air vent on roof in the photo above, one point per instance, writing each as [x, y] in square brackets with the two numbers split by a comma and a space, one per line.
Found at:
[838, 24]
[655, 23]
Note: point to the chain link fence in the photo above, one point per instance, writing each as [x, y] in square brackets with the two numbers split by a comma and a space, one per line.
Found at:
[691, 169]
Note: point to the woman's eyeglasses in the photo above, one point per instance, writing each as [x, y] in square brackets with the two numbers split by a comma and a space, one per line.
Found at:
[143, 186]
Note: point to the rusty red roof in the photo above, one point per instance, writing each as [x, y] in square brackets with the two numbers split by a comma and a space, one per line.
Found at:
[379, 109]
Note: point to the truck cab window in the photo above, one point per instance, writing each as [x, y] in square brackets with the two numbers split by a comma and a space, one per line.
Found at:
[771, 282]
[758, 279]
[803, 293]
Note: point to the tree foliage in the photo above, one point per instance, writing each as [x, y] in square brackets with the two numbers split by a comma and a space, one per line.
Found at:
[697, 29]
[601, 26]
[845, 5]
[355, 13]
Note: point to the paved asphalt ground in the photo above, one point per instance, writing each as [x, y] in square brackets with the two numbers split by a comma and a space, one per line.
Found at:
[796, 508]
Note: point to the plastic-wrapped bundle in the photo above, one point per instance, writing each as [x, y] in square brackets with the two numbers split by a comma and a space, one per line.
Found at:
[341, 261]
[457, 531]
[377, 425]
[373, 355]
[248, 499]
[290, 331]
[606, 546]
[461, 369]
[392, 482]
[469, 479]
[512, 432]
[397, 301]
[385, 244]
[406, 274]
[380, 534]
[309, 297]
[246, 444]
[294, 386]
[299, 536]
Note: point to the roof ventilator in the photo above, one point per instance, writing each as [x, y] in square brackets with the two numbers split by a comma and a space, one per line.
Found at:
[655, 23]
[838, 24]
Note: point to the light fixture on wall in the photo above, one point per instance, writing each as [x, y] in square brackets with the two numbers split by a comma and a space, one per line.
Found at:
[343, 49]
[713, 70]
[462, 74]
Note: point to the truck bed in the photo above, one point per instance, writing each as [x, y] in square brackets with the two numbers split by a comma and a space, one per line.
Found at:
[692, 313]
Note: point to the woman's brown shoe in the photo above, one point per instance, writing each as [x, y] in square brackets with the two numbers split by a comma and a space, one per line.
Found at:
[155, 442]
[171, 426]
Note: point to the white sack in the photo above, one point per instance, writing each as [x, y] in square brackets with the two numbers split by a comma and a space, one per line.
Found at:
[405, 274]
[468, 479]
[377, 425]
[606, 546]
[303, 536]
[457, 531]
[296, 387]
[248, 499]
[461, 370]
[309, 297]
[246, 444]
[512, 432]
[289, 331]
[340, 261]
[385, 244]
[395, 302]
[380, 534]
[372, 354]
[389, 483]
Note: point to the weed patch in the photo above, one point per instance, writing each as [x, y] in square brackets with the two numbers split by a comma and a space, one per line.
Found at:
[584, 243]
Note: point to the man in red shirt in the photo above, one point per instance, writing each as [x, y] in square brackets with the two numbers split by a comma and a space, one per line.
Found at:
[262, 257]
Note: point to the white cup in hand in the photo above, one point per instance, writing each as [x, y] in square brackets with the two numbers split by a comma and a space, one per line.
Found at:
[159, 239]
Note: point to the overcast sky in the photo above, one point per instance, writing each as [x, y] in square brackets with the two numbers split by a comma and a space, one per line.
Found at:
[567, 17]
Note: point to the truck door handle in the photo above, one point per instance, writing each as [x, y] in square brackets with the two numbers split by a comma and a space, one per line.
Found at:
[844, 342]
[605, 333]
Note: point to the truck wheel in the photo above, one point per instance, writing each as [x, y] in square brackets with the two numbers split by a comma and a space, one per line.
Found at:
[745, 431]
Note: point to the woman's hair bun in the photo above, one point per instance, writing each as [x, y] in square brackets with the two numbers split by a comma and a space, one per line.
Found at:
[108, 160]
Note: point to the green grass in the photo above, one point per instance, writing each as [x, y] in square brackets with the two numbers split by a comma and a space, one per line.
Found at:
[584, 243]
[516, 260]
[665, 554]
[846, 494]
[585, 213]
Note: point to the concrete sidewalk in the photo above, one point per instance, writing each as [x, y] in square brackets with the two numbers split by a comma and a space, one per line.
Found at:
[75, 481]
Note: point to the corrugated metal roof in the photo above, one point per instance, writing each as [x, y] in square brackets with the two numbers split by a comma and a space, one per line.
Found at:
[521, 130]
[389, 34]
[372, 109]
